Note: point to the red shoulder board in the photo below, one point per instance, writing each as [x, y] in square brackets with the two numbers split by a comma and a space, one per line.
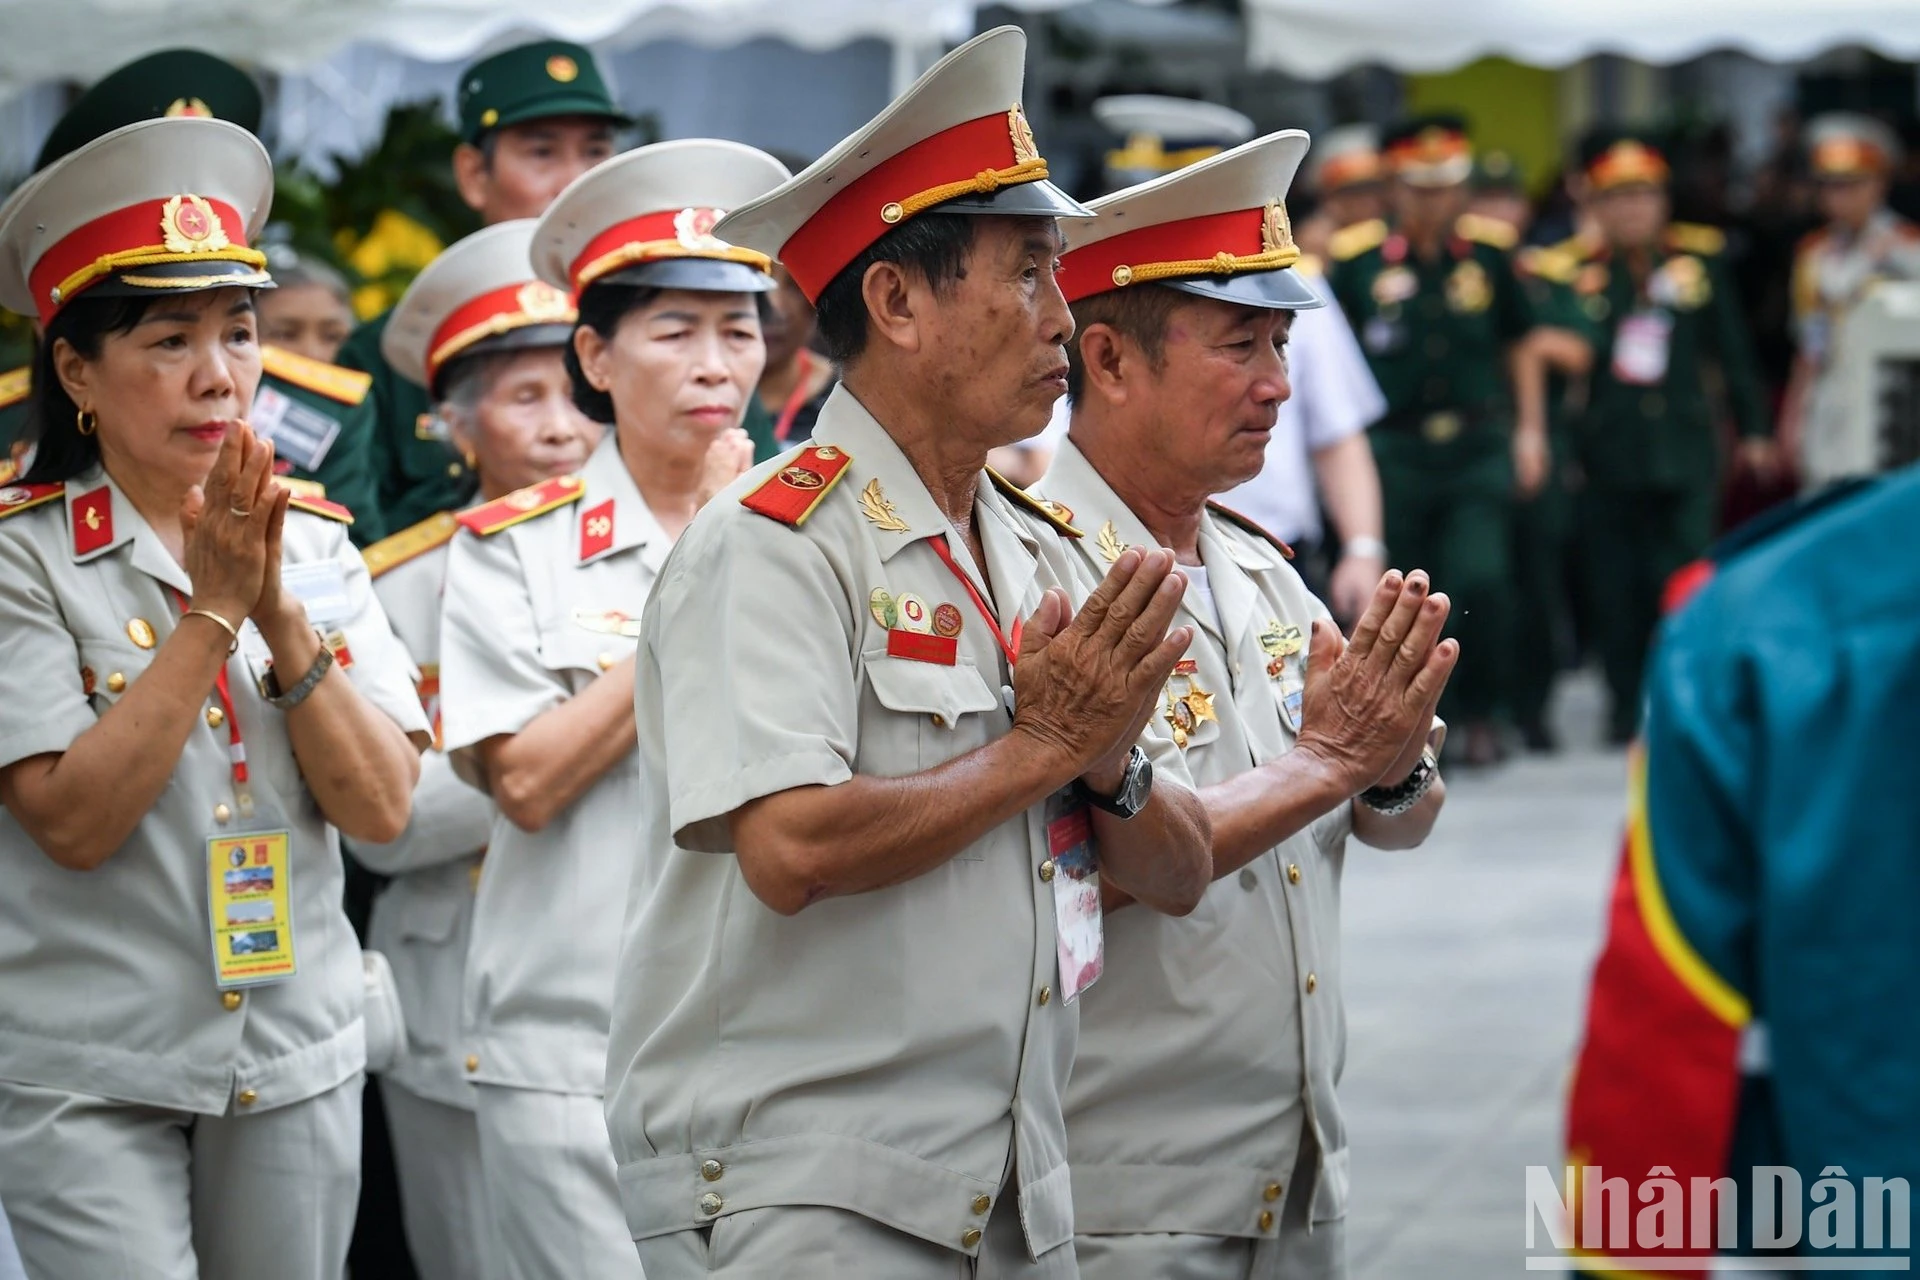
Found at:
[320, 507]
[15, 498]
[1234, 517]
[521, 504]
[790, 494]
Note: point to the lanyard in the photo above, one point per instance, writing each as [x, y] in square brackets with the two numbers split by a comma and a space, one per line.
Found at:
[1009, 647]
[796, 398]
[236, 747]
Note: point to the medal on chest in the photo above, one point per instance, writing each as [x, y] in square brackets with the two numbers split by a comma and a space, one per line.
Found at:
[1394, 286]
[1286, 647]
[1468, 289]
[1188, 705]
[1680, 283]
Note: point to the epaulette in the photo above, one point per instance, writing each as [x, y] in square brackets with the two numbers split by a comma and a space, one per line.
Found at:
[1046, 510]
[1693, 237]
[320, 507]
[1488, 231]
[1310, 264]
[9, 471]
[1548, 264]
[348, 386]
[25, 497]
[300, 488]
[1234, 517]
[1579, 246]
[521, 504]
[15, 386]
[790, 494]
[396, 549]
[1349, 243]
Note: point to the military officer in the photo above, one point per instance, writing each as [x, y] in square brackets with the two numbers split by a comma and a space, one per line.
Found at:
[1664, 310]
[315, 413]
[1205, 1135]
[203, 694]
[1864, 242]
[532, 119]
[1348, 181]
[1441, 317]
[867, 898]
[486, 339]
[543, 598]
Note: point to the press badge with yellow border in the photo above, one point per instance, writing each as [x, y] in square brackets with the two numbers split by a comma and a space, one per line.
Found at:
[250, 903]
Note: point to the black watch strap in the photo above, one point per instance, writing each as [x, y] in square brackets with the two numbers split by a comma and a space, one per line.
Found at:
[1136, 784]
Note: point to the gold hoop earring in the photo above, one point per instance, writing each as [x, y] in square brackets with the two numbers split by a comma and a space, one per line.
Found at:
[86, 421]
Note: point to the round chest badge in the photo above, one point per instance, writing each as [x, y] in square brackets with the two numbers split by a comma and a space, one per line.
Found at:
[913, 614]
[946, 620]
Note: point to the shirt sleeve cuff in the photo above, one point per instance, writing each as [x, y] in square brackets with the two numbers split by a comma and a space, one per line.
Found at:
[52, 735]
[699, 813]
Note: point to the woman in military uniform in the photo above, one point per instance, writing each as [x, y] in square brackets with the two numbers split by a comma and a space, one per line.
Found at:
[484, 338]
[543, 598]
[202, 695]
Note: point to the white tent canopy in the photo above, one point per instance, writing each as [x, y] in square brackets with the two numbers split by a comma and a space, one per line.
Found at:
[1318, 38]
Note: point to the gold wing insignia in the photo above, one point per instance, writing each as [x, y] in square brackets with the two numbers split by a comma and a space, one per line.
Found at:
[1109, 542]
[876, 507]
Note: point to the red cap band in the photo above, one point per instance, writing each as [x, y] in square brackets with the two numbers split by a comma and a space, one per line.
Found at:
[178, 229]
[502, 310]
[1102, 266]
[672, 233]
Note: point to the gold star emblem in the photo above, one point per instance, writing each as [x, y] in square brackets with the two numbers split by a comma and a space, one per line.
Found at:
[1187, 711]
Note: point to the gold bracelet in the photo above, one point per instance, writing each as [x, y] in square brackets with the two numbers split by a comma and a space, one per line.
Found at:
[228, 627]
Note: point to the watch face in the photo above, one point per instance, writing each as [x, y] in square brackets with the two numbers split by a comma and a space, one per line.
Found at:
[1139, 781]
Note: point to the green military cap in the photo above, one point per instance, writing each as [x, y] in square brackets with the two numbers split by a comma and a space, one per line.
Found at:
[533, 82]
[1616, 156]
[1429, 150]
[173, 82]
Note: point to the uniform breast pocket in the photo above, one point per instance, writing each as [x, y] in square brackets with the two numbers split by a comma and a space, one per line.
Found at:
[921, 714]
[108, 667]
[580, 648]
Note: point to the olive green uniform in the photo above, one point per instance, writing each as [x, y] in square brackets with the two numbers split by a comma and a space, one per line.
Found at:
[1435, 335]
[1672, 358]
[416, 470]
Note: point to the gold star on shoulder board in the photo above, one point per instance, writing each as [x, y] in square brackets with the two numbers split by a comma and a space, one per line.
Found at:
[877, 508]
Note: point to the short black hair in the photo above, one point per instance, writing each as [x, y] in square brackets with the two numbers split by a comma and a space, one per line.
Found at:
[1138, 312]
[603, 305]
[934, 244]
[60, 452]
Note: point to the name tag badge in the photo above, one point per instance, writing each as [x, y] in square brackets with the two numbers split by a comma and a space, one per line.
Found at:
[1077, 922]
[301, 435]
[1640, 348]
[250, 907]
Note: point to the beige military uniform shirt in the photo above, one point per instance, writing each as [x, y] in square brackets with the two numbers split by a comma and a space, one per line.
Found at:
[533, 615]
[107, 978]
[1215, 1040]
[896, 1053]
[423, 918]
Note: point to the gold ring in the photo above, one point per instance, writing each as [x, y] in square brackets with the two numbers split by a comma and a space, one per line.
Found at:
[240, 513]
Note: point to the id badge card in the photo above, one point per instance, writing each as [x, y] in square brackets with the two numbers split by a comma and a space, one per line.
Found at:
[1640, 348]
[1077, 924]
[250, 904]
[321, 586]
[301, 435]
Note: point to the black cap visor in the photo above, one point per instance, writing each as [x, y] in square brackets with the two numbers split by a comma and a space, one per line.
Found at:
[705, 275]
[1025, 200]
[1282, 290]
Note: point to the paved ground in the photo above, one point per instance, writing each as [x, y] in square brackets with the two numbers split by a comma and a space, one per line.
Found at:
[1466, 971]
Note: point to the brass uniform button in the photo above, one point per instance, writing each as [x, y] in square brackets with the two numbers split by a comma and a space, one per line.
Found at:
[1312, 983]
[711, 1204]
[711, 1170]
[230, 1000]
[1046, 870]
[247, 1098]
[140, 631]
[1293, 873]
[606, 661]
[222, 814]
[1266, 1219]
[970, 1237]
[215, 717]
[939, 721]
[116, 682]
[982, 1203]
[453, 470]
[1271, 1193]
[1046, 994]
[473, 1063]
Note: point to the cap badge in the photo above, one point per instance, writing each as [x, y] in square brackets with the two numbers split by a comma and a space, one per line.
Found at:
[188, 225]
[562, 68]
[1025, 149]
[1276, 230]
[693, 228]
[190, 107]
[541, 302]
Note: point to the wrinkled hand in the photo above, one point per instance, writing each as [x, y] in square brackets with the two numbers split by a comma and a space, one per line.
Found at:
[1352, 584]
[729, 457]
[1087, 682]
[1532, 461]
[228, 521]
[1369, 702]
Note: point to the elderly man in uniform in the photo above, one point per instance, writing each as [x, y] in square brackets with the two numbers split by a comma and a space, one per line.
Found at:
[532, 119]
[1205, 1135]
[1864, 242]
[886, 768]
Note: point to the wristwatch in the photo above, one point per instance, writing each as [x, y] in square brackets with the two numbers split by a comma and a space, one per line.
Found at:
[1135, 785]
[1391, 802]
